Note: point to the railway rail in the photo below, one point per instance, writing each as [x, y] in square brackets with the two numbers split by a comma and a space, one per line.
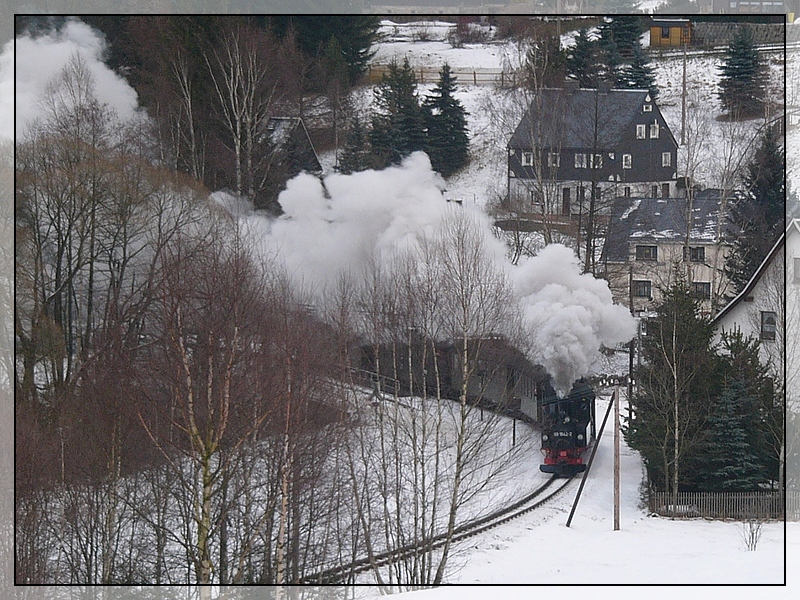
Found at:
[462, 532]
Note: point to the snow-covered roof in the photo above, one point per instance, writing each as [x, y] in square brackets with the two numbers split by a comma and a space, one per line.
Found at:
[661, 219]
[566, 121]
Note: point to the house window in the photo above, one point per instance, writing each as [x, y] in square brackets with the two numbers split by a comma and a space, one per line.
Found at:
[697, 254]
[596, 161]
[769, 325]
[665, 190]
[654, 131]
[702, 289]
[665, 32]
[627, 160]
[666, 159]
[641, 288]
[581, 193]
[565, 202]
[553, 159]
[647, 108]
[626, 191]
[580, 161]
[797, 270]
[654, 191]
[646, 252]
[641, 132]
[527, 159]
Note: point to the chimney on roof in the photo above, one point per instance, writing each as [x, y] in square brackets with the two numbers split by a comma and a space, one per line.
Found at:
[571, 86]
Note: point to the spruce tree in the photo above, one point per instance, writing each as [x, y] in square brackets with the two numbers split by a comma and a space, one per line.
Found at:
[626, 31]
[398, 124]
[730, 462]
[582, 60]
[756, 216]
[609, 60]
[742, 77]
[677, 379]
[355, 154]
[448, 142]
[639, 74]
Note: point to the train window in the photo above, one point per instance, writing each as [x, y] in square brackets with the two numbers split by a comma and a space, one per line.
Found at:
[769, 323]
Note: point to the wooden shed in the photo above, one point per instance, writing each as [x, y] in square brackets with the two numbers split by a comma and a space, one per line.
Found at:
[670, 33]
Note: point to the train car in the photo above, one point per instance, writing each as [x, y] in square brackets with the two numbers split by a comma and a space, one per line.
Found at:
[568, 427]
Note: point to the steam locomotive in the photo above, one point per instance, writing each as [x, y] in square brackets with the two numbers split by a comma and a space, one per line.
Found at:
[568, 427]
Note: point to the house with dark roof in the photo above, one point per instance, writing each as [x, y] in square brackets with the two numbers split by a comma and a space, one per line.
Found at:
[573, 143]
[650, 242]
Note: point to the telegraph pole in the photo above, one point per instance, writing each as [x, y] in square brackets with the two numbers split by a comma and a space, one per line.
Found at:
[683, 95]
[616, 457]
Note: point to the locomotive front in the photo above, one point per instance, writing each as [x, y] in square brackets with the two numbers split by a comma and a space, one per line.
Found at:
[567, 429]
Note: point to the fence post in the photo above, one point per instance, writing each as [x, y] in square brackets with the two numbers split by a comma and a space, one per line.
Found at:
[474, 78]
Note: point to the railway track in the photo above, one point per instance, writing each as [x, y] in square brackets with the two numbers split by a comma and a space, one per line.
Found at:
[530, 502]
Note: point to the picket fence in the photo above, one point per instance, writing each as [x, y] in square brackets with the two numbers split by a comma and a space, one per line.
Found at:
[740, 506]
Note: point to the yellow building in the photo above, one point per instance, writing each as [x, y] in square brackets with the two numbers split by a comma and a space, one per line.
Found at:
[670, 33]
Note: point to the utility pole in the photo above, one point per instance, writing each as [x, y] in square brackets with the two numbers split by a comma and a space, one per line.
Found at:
[616, 457]
[683, 95]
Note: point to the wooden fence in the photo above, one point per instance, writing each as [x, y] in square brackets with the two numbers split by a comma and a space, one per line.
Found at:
[466, 76]
[740, 506]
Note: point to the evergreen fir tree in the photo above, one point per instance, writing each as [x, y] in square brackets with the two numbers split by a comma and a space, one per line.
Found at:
[609, 60]
[756, 216]
[355, 154]
[355, 35]
[639, 74]
[678, 371]
[398, 125]
[742, 77]
[731, 462]
[626, 31]
[448, 142]
[582, 60]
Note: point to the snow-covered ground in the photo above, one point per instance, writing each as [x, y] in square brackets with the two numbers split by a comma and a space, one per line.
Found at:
[538, 549]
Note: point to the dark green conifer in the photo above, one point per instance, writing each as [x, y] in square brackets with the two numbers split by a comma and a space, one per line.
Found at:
[355, 154]
[582, 60]
[448, 142]
[757, 215]
[398, 125]
[639, 74]
[742, 77]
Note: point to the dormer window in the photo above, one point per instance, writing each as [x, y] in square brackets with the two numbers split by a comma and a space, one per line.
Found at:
[553, 159]
[627, 159]
[527, 159]
[647, 108]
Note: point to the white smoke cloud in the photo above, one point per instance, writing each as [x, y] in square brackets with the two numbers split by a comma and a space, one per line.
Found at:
[337, 228]
[568, 314]
[39, 59]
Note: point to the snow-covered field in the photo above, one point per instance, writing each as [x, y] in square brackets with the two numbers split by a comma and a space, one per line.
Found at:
[538, 549]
